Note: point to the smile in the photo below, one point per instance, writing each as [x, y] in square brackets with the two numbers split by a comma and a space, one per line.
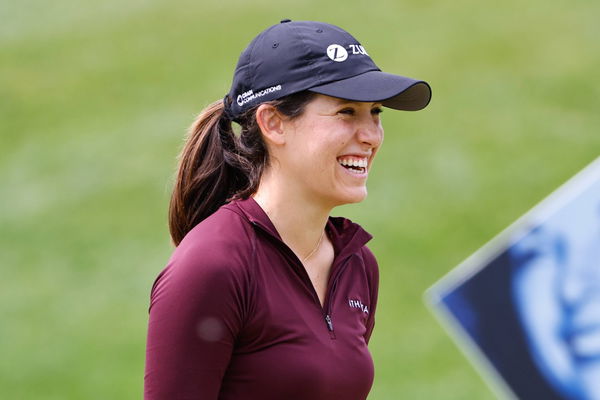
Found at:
[585, 341]
[356, 165]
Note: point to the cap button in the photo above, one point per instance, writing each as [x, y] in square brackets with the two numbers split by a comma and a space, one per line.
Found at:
[283, 21]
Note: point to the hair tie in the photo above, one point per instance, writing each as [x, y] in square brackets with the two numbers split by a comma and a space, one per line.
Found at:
[227, 113]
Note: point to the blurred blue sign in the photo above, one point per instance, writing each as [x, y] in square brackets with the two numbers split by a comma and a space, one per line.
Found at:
[526, 307]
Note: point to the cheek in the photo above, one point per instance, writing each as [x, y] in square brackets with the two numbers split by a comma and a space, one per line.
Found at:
[326, 149]
[322, 142]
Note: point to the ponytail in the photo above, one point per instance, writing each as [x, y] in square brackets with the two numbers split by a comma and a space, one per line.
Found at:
[217, 166]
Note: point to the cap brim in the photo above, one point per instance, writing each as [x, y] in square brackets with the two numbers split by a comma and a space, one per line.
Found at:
[393, 91]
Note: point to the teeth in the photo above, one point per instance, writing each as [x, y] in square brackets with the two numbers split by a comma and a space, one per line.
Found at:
[353, 162]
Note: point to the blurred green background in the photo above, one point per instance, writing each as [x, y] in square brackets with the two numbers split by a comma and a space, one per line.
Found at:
[95, 98]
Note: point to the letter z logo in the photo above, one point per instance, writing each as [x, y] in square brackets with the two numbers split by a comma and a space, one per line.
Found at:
[337, 53]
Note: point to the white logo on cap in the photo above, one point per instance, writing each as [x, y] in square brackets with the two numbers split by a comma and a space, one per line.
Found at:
[337, 53]
[250, 95]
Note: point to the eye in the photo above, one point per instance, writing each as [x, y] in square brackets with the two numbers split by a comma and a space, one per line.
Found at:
[376, 110]
[347, 111]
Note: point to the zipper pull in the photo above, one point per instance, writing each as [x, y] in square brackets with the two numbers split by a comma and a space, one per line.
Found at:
[329, 323]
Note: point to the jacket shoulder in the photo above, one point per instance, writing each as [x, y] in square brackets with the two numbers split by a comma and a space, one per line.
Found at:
[217, 252]
[221, 236]
[371, 266]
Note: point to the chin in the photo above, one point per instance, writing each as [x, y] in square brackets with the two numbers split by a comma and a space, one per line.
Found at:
[352, 196]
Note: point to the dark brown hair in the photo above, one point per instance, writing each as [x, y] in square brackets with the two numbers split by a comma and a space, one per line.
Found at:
[217, 165]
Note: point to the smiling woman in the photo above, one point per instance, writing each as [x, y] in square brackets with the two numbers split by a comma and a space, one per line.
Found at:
[266, 296]
[322, 156]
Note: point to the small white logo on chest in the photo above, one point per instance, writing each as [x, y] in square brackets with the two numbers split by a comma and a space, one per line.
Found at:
[358, 304]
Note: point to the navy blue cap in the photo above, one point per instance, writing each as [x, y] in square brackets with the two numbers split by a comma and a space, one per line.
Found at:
[306, 55]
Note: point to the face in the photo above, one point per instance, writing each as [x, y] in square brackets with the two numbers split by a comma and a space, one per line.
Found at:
[556, 288]
[329, 150]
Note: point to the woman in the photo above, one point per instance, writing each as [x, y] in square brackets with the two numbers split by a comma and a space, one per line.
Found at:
[266, 296]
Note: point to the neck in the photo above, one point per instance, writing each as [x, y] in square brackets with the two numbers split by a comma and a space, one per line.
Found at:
[299, 220]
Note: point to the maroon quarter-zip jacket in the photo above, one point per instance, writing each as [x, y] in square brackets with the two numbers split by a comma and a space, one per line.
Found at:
[234, 315]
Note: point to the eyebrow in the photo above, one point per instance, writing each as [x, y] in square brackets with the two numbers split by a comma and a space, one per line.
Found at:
[340, 101]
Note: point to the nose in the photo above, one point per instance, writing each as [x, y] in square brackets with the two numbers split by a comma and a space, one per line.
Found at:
[370, 131]
[581, 254]
[581, 270]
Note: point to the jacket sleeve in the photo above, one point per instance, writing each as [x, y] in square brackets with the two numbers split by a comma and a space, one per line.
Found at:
[372, 271]
[195, 315]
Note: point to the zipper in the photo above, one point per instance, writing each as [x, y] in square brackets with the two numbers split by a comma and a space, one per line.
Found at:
[326, 308]
[327, 305]
[329, 322]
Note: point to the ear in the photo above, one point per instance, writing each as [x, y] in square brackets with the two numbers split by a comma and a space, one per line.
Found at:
[270, 122]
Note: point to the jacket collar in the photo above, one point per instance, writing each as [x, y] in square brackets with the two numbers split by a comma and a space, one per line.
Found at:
[346, 236]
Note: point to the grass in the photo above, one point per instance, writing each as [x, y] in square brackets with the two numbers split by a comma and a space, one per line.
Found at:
[95, 98]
